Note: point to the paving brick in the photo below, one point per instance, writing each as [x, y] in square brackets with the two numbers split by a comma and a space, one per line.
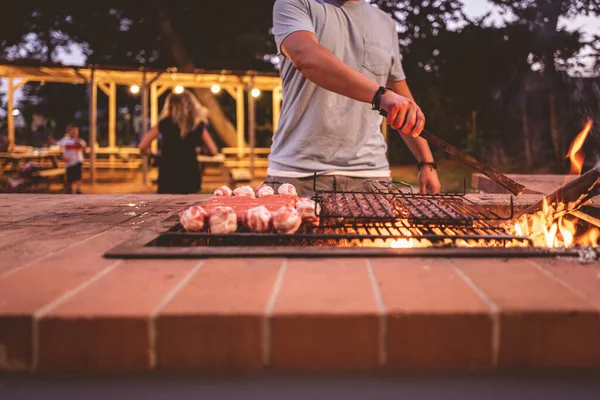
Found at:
[542, 323]
[106, 327]
[216, 322]
[326, 317]
[28, 290]
[435, 320]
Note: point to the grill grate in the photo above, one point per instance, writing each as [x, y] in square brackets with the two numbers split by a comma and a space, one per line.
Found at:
[384, 217]
[388, 202]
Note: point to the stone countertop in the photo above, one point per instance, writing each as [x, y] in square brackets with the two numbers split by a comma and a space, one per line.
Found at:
[64, 307]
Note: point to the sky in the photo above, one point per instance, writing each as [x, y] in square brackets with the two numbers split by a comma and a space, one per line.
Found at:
[473, 8]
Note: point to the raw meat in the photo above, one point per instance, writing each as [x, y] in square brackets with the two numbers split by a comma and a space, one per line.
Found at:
[308, 211]
[257, 219]
[244, 191]
[241, 204]
[264, 190]
[222, 220]
[287, 188]
[286, 220]
[223, 191]
[193, 219]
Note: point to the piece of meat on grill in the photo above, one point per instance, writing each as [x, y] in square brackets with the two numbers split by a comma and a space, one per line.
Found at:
[241, 204]
[222, 220]
[244, 191]
[308, 210]
[287, 188]
[193, 219]
[264, 190]
[223, 191]
[286, 220]
[257, 219]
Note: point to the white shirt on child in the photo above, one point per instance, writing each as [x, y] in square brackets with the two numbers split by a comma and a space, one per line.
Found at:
[73, 150]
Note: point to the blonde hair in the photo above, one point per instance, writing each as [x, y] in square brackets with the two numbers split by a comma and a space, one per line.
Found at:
[185, 111]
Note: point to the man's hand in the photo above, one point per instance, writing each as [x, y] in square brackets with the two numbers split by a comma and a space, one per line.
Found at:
[404, 114]
[428, 180]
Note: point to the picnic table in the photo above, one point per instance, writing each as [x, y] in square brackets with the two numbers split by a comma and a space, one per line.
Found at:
[47, 159]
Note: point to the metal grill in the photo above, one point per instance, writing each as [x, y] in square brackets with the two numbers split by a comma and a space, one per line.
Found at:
[384, 217]
[387, 201]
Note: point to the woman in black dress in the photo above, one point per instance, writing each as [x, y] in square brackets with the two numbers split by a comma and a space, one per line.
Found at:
[183, 132]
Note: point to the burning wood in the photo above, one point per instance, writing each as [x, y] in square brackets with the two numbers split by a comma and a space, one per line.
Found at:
[567, 198]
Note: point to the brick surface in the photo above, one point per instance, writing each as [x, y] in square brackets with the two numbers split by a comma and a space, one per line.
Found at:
[542, 324]
[216, 322]
[28, 250]
[435, 320]
[106, 327]
[583, 278]
[326, 317]
[31, 288]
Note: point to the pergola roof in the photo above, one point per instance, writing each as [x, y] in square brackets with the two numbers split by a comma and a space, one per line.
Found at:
[132, 76]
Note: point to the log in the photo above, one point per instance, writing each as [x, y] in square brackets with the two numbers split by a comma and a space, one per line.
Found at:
[567, 198]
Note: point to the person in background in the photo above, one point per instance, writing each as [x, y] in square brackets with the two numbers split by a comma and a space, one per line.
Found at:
[73, 148]
[182, 128]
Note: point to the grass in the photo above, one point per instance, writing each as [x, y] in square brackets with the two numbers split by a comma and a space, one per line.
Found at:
[451, 173]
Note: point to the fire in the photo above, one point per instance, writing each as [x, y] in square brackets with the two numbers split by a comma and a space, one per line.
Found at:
[575, 154]
[560, 233]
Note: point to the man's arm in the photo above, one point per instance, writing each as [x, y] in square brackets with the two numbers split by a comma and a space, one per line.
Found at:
[428, 179]
[322, 67]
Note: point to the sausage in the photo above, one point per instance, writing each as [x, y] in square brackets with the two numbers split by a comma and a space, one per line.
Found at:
[287, 188]
[193, 219]
[264, 190]
[223, 191]
[308, 211]
[244, 191]
[257, 219]
[286, 220]
[222, 220]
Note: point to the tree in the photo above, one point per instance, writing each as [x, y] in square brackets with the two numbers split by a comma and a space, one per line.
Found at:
[553, 48]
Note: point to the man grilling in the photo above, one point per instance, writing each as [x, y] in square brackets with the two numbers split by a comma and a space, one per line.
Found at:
[339, 60]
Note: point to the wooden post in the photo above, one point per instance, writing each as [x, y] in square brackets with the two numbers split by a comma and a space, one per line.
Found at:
[251, 127]
[240, 120]
[384, 131]
[93, 121]
[145, 123]
[9, 109]
[276, 107]
[112, 115]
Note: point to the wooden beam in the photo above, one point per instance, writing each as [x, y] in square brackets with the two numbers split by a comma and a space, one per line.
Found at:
[144, 91]
[153, 104]
[105, 88]
[161, 90]
[93, 89]
[240, 120]
[276, 107]
[251, 128]
[112, 115]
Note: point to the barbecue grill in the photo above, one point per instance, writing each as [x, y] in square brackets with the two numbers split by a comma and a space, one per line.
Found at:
[383, 221]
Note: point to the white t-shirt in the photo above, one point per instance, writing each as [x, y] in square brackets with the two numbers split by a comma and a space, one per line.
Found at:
[73, 150]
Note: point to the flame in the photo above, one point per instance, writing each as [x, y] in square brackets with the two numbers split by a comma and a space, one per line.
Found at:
[559, 233]
[575, 154]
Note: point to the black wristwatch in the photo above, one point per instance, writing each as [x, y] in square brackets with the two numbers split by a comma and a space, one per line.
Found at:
[375, 102]
[431, 164]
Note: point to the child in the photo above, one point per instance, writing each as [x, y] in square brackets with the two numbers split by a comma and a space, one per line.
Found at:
[73, 157]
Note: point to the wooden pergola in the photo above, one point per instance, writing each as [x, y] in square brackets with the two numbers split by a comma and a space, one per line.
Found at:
[151, 82]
